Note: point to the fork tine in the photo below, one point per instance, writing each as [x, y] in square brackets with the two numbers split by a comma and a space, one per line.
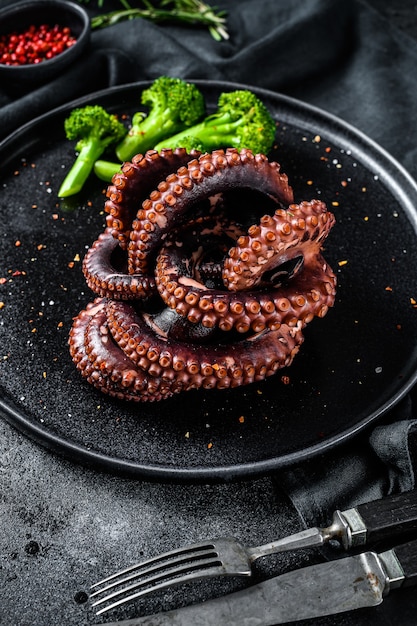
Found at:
[196, 570]
[161, 570]
[156, 559]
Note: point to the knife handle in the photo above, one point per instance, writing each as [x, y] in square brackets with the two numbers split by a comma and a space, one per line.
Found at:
[407, 557]
[390, 517]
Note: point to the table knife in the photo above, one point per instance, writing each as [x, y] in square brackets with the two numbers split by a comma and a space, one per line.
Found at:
[325, 589]
[365, 524]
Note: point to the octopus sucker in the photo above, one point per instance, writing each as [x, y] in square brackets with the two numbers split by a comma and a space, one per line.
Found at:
[204, 277]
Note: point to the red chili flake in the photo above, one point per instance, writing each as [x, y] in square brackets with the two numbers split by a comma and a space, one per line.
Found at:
[388, 288]
[344, 183]
[3, 280]
[285, 380]
[17, 273]
[35, 44]
[328, 149]
[241, 419]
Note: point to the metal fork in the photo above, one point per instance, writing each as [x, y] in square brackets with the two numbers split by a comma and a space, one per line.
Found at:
[224, 556]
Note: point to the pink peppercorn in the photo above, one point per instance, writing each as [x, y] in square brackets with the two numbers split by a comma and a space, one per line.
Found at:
[35, 44]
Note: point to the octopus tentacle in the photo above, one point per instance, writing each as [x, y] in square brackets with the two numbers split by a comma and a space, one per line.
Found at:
[136, 180]
[226, 365]
[309, 293]
[104, 364]
[212, 173]
[298, 231]
[105, 271]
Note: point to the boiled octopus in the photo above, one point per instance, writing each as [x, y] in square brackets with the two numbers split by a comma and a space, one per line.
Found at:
[205, 275]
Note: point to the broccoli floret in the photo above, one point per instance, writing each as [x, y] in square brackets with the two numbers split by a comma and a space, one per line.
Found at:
[173, 105]
[95, 129]
[241, 121]
[190, 142]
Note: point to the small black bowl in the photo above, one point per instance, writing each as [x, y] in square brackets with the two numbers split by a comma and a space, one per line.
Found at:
[18, 17]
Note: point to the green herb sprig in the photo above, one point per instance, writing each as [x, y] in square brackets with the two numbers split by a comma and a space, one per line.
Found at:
[193, 12]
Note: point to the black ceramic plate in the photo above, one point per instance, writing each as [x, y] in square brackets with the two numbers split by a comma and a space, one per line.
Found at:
[355, 364]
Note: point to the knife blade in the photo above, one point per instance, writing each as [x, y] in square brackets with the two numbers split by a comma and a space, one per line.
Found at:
[326, 589]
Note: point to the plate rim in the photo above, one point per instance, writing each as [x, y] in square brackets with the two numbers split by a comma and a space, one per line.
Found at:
[365, 147]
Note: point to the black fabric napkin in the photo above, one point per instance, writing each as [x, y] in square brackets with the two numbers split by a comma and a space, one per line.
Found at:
[341, 56]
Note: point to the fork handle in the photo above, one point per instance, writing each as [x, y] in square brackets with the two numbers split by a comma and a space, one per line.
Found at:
[390, 517]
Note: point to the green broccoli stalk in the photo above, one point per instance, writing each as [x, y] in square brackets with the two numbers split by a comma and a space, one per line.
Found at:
[105, 170]
[95, 129]
[173, 106]
[241, 121]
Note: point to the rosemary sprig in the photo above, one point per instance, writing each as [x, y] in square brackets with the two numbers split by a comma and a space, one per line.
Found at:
[194, 12]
